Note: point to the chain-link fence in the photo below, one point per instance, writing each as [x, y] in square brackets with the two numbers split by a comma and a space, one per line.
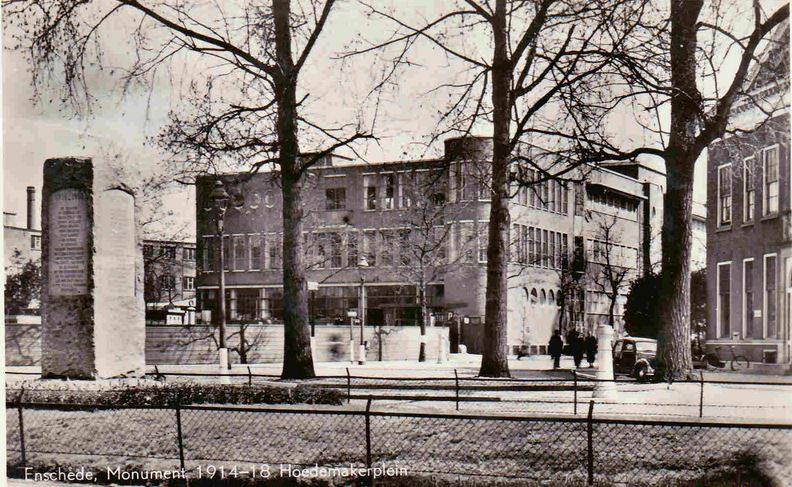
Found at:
[278, 441]
[565, 394]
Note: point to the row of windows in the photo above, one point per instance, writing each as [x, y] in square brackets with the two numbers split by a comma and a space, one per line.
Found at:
[336, 250]
[540, 248]
[548, 195]
[168, 281]
[389, 191]
[610, 200]
[168, 251]
[612, 254]
[399, 190]
[759, 317]
[769, 181]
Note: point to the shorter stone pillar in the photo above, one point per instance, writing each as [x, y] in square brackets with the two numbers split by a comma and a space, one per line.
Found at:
[604, 388]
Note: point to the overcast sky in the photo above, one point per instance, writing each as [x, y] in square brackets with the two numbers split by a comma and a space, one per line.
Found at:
[32, 133]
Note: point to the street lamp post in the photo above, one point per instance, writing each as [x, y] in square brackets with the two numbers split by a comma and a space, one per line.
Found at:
[219, 198]
[362, 319]
[362, 263]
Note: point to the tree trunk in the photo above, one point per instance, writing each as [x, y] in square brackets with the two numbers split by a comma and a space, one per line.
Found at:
[297, 356]
[494, 362]
[243, 345]
[424, 322]
[673, 351]
[611, 310]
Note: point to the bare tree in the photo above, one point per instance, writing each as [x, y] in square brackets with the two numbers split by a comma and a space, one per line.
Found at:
[244, 108]
[679, 64]
[418, 252]
[609, 271]
[539, 79]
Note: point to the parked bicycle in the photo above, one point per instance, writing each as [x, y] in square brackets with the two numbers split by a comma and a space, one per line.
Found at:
[712, 358]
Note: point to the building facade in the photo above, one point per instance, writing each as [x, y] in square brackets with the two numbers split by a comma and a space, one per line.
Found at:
[22, 243]
[169, 271]
[360, 243]
[749, 229]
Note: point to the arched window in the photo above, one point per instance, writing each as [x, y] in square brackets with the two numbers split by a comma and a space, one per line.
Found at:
[534, 297]
[544, 297]
[552, 301]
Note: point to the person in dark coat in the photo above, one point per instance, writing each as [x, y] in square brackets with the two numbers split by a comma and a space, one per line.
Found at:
[590, 345]
[576, 348]
[555, 348]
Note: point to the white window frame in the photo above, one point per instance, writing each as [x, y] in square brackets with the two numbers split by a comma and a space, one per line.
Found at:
[753, 290]
[718, 324]
[765, 212]
[764, 292]
[718, 201]
[746, 217]
[250, 251]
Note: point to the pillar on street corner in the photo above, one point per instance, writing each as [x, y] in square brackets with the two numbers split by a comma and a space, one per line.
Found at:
[604, 388]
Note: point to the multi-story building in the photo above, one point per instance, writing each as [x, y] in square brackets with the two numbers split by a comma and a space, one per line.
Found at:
[359, 233]
[749, 230]
[22, 243]
[169, 275]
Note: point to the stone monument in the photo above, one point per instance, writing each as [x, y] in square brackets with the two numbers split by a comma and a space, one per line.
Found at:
[92, 308]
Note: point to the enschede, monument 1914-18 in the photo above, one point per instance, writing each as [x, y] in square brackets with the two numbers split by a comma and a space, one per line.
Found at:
[93, 323]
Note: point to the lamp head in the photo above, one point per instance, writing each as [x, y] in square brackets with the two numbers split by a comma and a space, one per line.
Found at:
[218, 196]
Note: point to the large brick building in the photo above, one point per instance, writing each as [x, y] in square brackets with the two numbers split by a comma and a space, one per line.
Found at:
[356, 241]
[749, 230]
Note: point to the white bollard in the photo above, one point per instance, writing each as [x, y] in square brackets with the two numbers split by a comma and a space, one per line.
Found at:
[223, 364]
[606, 389]
[362, 358]
[352, 351]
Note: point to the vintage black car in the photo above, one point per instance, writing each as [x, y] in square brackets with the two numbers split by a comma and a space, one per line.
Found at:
[635, 356]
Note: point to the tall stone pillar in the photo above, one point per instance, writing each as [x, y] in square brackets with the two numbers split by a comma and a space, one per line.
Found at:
[92, 274]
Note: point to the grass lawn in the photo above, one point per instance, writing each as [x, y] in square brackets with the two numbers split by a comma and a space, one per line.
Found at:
[531, 450]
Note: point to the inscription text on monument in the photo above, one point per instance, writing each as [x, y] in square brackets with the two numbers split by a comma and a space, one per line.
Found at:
[68, 243]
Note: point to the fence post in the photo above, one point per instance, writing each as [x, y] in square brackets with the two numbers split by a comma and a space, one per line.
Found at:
[701, 394]
[179, 433]
[250, 377]
[21, 427]
[349, 387]
[368, 442]
[456, 380]
[574, 376]
[590, 443]
[158, 376]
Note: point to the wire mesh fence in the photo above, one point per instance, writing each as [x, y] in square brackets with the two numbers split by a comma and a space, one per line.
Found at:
[246, 440]
[563, 394]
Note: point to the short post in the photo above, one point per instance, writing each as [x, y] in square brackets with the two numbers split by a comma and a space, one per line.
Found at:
[590, 443]
[368, 441]
[605, 388]
[250, 377]
[456, 380]
[574, 386]
[21, 428]
[701, 394]
[349, 386]
[179, 434]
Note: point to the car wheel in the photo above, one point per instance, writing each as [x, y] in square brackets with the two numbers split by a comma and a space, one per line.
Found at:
[640, 373]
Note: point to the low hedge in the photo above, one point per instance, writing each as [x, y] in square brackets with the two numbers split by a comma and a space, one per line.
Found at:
[183, 393]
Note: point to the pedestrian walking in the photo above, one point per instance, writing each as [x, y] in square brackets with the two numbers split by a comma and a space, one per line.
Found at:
[555, 348]
[590, 345]
[576, 348]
